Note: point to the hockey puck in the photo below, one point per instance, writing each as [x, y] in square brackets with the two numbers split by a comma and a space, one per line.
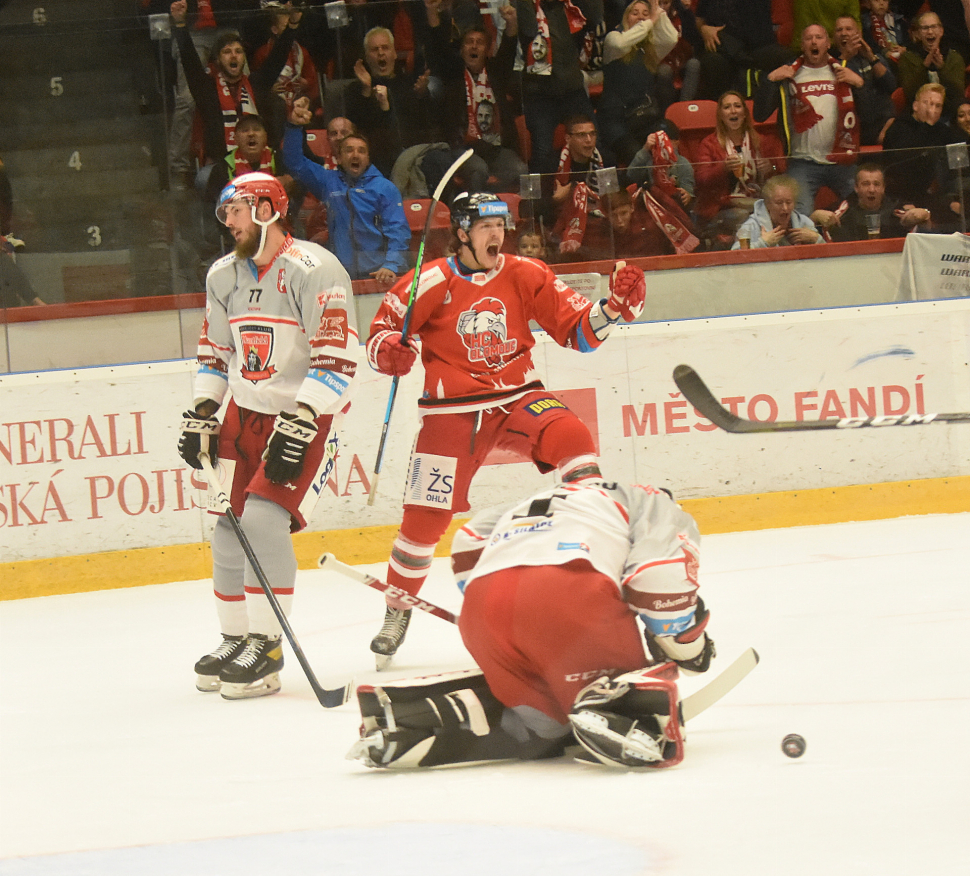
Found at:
[793, 745]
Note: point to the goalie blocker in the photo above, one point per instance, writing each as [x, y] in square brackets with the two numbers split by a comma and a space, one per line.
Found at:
[633, 720]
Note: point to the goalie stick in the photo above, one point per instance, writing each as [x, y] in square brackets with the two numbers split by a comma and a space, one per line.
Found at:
[717, 687]
[329, 561]
[696, 392]
[412, 294]
[329, 699]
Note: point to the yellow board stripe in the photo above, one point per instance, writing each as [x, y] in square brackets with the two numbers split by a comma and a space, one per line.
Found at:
[116, 569]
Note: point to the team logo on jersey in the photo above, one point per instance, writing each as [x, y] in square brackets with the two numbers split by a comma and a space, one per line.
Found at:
[256, 342]
[333, 328]
[484, 331]
[281, 281]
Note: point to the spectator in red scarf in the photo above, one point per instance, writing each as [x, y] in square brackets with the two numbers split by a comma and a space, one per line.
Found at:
[817, 117]
[575, 181]
[732, 164]
[479, 104]
[224, 93]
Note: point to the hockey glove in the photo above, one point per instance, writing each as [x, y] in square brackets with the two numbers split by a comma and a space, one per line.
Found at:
[287, 447]
[628, 291]
[691, 649]
[395, 357]
[199, 435]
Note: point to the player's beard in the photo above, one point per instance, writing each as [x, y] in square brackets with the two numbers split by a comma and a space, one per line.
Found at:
[247, 245]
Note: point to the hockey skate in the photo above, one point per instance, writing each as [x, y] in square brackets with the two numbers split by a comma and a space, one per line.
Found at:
[207, 668]
[255, 671]
[389, 639]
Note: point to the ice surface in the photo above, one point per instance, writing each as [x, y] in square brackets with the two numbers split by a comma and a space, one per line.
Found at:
[112, 763]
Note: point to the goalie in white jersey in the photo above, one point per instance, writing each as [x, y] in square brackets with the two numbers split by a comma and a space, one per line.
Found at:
[280, 335]
[553, 589]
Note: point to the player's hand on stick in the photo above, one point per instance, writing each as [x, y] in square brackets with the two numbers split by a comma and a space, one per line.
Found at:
[287, 446]
[200, 434]
[394, 357]
[628, 291]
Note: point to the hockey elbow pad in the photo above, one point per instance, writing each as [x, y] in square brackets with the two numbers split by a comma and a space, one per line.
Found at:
[691, 649]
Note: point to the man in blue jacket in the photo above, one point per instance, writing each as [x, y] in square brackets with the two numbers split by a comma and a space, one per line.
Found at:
[369, 232]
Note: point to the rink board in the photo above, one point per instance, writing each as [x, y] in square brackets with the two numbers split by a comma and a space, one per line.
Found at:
[88, 461]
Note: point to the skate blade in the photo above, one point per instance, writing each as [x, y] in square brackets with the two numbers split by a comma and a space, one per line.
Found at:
[383, 661]
[262, 687]
[207, 683]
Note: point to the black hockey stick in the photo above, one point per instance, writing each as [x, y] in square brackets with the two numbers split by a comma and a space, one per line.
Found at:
[328, 698]
[412, 294]
[696, 392]
[329, 561]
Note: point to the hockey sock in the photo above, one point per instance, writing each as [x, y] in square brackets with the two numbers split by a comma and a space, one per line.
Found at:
[267, 526]
[228, 572]
[413, 549]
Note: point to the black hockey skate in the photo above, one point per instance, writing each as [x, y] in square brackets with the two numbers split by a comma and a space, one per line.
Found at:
[255, 671]
[389, 639]
[207, 669]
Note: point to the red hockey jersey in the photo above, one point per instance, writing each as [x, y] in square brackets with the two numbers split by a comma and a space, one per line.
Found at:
[475, 333]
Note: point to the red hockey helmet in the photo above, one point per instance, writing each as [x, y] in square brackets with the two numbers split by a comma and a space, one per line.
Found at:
[251, 188]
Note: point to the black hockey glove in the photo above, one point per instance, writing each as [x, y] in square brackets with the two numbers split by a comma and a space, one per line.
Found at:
[287, 447]
[691, 649]
[199, 435]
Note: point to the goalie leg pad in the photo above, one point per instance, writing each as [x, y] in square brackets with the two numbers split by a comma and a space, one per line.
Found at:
[611, 718]
[438, 721]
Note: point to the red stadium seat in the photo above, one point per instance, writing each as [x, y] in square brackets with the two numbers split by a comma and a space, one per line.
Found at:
[439, 234]
[695, 119]
[319, 142]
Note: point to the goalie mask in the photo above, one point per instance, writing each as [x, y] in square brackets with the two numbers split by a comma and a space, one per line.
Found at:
[467, 209]
[251, 188]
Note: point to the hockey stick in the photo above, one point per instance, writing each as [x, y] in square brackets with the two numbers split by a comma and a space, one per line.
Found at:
[412, 294]
[703, 699]
[329, 561]
[327, 698]
[696, 392]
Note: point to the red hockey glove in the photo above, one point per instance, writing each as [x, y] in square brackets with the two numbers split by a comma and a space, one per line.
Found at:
[691, 649]
[628, 291]
[394, 357]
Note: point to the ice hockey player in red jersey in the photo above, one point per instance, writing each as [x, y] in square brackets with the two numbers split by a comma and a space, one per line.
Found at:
[553, 587]
[280, 335]
[472, 313]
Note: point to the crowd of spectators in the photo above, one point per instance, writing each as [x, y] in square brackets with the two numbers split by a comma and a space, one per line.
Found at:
[827, 111]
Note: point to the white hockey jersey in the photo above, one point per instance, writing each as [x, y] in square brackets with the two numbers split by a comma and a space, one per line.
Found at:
[636, 535]
[279, 335]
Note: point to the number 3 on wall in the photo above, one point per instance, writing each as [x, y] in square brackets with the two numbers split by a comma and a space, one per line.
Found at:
[95, 239]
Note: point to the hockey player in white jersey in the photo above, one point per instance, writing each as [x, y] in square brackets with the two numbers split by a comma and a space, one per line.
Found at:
[280, 337]
[553, 589]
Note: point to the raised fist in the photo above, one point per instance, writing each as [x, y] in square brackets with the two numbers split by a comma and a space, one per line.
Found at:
[628, 291]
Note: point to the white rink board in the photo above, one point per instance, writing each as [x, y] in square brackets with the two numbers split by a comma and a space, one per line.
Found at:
[88, 457]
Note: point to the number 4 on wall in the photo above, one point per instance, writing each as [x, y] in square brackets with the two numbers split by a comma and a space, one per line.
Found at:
[75, 160]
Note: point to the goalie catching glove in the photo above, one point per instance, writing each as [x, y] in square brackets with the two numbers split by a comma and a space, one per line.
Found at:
[287, 447]
[391, 355]
[628, 292]
[199, 435]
